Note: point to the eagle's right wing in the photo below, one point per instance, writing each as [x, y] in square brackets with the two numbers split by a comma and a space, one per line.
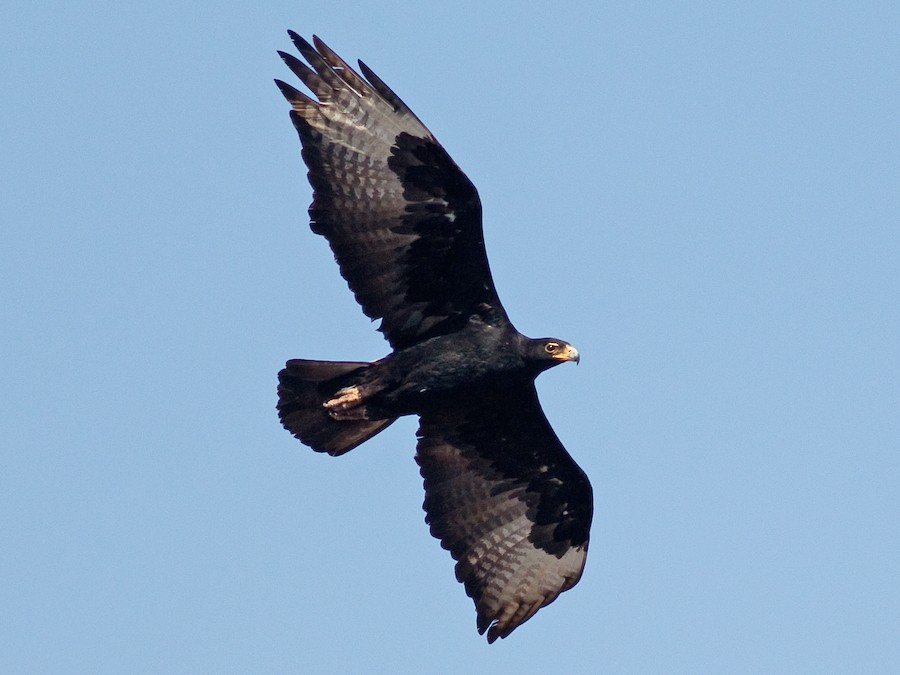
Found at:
[403, 220]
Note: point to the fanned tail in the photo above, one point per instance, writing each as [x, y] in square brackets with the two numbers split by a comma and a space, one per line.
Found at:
[303, 388]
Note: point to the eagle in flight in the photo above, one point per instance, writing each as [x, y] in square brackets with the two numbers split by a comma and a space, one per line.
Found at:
[404, 223]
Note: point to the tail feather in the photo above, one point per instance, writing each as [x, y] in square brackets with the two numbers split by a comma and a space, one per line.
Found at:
[303, 386]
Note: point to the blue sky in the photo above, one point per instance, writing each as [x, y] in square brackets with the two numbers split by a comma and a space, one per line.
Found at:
[702, 198]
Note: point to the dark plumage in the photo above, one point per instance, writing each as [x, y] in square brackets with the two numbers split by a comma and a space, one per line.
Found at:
[404, 222]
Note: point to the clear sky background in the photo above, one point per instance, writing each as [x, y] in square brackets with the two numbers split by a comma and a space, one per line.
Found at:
[703, 197]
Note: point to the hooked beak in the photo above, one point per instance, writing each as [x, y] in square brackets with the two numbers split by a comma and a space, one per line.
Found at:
[569, 354]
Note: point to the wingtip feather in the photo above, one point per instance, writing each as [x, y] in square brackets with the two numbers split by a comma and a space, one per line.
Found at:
[385, 91]
[300, 43]
[289, 92]
[320, 44]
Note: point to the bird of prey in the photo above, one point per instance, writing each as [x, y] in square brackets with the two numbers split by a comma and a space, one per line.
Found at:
[404, 223]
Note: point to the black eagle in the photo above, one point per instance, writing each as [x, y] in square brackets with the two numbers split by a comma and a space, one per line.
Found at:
[404, 223]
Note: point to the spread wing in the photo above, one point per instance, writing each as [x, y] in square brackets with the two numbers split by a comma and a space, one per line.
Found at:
[507, 500]
[403, 221]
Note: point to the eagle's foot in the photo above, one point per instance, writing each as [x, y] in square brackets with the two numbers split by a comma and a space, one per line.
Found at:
[348, 397]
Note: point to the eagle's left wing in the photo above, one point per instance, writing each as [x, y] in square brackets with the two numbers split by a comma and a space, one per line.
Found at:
[507, 500]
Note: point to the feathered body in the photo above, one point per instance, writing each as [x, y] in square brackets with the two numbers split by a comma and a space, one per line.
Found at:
[404, 222]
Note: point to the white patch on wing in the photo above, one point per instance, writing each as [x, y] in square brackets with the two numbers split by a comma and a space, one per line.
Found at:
[519, 578]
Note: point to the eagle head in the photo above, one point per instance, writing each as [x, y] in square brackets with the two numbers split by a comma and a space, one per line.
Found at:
[545, 353]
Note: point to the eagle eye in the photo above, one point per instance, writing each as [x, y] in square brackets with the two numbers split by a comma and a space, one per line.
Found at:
[551, 347]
